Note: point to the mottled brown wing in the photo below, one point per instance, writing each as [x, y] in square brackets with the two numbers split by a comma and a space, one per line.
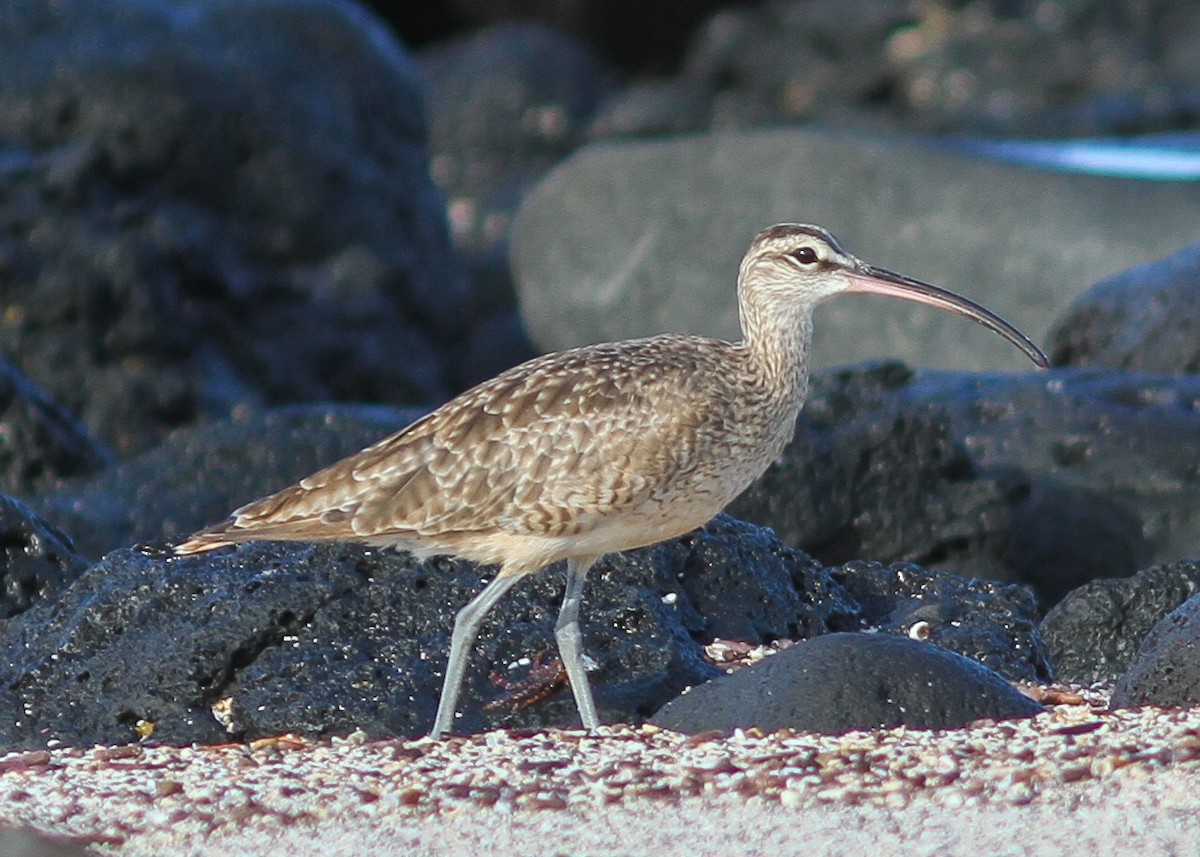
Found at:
[545, 448]
[547, 452]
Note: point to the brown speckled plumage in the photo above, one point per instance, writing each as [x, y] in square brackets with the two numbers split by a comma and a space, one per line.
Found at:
[557, 447]
[579, 453]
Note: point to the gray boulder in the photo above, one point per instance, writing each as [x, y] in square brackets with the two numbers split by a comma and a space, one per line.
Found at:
[640, 238]
[1146, 319]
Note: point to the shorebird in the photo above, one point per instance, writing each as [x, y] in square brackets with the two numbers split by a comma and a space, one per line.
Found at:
[598, 449]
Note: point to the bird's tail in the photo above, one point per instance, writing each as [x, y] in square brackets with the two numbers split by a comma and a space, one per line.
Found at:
[205, 540]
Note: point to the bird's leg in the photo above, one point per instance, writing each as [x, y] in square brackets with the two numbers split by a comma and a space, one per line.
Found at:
[570, 641]
[466, 629]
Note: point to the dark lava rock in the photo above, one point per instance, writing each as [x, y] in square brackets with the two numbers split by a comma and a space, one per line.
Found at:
[1114, 444]
[36, 560]
[1064, 536]
[1166, 669]
[892, 485]
[1095, 632]
[991, 623]
[325, 639]
[644, 33]
[205, 206]
[1146, 319]
[1051, 479]
[505, 105]
[1084, 68]
[791, 596]
[844, 682]
[197, 476]
[40, 441]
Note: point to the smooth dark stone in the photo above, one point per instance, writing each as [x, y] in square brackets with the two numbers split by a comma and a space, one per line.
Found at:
[1095, 633]
[845, 682]
[1166, 669]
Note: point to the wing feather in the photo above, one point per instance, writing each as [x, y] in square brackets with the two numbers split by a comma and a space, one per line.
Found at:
[547, 448]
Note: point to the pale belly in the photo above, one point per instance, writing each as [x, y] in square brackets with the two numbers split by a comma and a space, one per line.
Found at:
[525, 553]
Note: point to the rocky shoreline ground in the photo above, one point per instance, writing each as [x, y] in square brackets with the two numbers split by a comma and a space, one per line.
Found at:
[1122, 775]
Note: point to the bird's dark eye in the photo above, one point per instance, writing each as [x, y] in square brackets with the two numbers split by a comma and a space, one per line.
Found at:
[805, 256]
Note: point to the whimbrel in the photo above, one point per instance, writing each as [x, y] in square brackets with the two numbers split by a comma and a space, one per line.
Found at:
[602, 448]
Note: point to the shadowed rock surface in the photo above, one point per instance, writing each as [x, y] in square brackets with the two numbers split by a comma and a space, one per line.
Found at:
[635, 32]
[36, 561]
[843, 682]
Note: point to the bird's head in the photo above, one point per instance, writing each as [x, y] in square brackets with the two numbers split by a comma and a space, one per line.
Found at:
[794, 266]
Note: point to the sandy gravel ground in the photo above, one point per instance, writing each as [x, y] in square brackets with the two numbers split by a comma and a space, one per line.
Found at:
[1074, 780]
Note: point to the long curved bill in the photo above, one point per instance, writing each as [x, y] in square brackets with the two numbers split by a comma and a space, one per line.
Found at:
[880, 281]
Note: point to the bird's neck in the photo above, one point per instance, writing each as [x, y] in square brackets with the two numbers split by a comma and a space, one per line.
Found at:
[776, 340]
